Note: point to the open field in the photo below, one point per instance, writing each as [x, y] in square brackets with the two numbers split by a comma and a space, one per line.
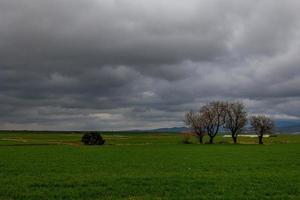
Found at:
[147, 166]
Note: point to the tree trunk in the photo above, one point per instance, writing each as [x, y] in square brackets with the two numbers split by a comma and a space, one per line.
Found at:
[211, 138]
[234, 139]
[201, 139]
[260, 139]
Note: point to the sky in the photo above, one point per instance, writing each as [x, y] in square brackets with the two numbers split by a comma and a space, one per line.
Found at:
[141, 64]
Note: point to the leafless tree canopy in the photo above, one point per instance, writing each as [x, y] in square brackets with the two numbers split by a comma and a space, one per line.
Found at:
[214, 117]
[261, 124]
[230, 115]
[194, 121]
[235, 118]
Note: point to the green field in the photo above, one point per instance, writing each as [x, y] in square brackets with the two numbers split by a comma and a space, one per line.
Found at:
[146, 166]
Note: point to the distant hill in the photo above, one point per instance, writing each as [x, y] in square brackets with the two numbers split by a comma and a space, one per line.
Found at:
[287, 126]
[160, 130]
[288, 129]
[172, 129]
[291, 129]
[282, 126]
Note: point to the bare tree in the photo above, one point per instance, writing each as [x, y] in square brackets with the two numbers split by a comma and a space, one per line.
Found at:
[235, 119]
[214, 117]
[261, 125]
[195, 122]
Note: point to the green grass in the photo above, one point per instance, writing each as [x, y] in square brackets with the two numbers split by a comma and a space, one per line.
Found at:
[146, 166]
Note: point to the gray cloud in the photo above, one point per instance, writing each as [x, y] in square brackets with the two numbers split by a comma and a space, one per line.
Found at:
[141, 64]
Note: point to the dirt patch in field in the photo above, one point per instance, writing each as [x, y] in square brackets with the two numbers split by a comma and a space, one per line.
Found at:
[39, 142]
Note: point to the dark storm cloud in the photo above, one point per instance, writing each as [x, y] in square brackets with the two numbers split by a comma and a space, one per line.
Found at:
[141, 64]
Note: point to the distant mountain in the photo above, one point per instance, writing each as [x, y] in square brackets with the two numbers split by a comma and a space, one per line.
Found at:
[291, 129]
[288, 129]
[287, 126]
[162, 130]
[172, 129]
[282, 126]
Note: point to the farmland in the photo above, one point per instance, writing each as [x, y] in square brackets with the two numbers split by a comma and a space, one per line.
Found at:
[53, 165]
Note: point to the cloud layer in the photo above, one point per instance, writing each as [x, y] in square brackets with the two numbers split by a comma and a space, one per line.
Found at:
[122, 64]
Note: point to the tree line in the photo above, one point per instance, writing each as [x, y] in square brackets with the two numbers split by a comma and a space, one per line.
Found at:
[232, 116]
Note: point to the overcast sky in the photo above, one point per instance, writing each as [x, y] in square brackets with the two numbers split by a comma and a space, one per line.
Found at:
[126, 64]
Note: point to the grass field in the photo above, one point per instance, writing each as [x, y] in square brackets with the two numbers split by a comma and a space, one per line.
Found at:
[146, 166]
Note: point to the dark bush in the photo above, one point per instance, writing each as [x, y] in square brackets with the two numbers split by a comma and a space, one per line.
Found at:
[186, 137]
[273, 135]
[92, 138]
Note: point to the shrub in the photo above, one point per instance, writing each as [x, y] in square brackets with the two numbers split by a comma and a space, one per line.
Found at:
[273, 135]
[186, 137]
[92, 138]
